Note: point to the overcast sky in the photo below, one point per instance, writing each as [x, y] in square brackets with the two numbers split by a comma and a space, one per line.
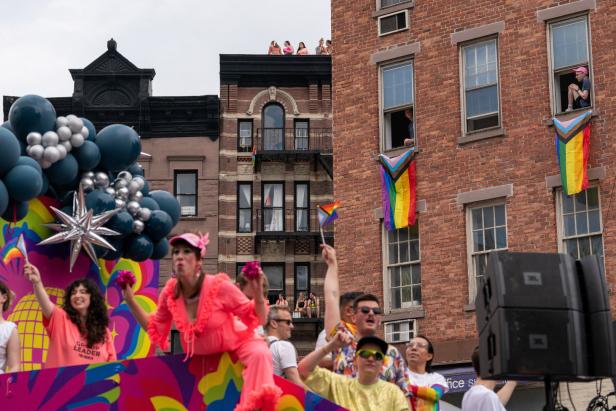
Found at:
[181, 39]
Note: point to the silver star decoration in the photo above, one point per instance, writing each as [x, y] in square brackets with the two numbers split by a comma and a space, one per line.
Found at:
[82, 229]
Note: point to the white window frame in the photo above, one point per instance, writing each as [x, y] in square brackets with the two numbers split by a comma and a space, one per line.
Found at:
[383, 112]
[412, 333]
[472, 283]
[463, 90]
[381, 7]
[406, 19]
[387, 297]
[560, 223]
[554, 92]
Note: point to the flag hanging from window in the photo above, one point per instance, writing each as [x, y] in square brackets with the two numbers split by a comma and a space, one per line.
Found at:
[17, 250]
[398, 191]
[327, 213]
[572, 148]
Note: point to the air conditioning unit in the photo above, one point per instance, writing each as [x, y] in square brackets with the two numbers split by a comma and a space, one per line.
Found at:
[392, 23]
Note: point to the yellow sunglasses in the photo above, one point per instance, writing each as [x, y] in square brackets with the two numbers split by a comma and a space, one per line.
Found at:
[367, 353]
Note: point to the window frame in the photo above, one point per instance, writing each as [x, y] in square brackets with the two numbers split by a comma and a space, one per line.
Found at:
[240, 148]
[468, 209]
[238, 208]
[384, 111]
[387, 294]
[296, 291]
[413, 330]
[295, 136]
[263, 128]
[270, 293]
[463, 90]
[381, 7]
[194, 172]
[393, 13]
[296, 208]
[263, 183]
[554, 97]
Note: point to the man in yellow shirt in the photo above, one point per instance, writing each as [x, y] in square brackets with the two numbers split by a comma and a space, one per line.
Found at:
[367, 392]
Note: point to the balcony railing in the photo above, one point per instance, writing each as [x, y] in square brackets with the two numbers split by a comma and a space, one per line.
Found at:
[290, 221]
[299, 139]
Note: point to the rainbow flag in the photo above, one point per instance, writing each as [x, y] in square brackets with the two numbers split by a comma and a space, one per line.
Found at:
[17, 250]
[327, 213]
[572, 148]
[398, 197]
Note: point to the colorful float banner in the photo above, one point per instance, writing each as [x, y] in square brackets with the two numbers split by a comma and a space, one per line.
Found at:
[398, 190]
[572, 149]
[129, 339]
[210, 383]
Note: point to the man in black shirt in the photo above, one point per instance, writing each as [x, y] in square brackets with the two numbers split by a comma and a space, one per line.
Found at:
[579, 94]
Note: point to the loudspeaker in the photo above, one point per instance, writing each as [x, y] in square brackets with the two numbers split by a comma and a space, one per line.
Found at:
[528, 344]
[527, 280]
[593, 287]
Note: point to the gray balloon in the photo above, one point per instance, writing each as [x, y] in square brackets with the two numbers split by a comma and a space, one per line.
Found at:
[125, 175]
[87, 184]
[139, 180]
[101, 180]
[88, 174]
[138, 196]
[120, 203]
[122, 193]
[120, 183]
[144, 214]
[138, 226]
[133, 187]
[110, 191]
[133, 207]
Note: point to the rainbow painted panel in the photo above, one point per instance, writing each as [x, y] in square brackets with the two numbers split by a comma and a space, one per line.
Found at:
[210, 383]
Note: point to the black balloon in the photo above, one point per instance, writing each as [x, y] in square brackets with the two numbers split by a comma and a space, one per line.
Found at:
[23, 183]
[88, 156]
[149, 202]
[138, 247]
[168, 204]
[118, 244]
[4, 198]
[15, 211]
[135, 170]
[119, 145]
[159, 225]
[32, 113]
[29, 161]
[10, 150]
[122, 223]
[64, 172]
[91, 130]
[99, 202]
[161, 248]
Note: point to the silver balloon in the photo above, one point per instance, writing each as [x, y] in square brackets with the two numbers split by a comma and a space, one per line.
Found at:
[51, 154]
[88, 174]
[33, 138]
[62, 150]
[61, 122]
[75, 124]
[140, 181]
[101, 180]
[87, 184]
[36, 152]
[64, 133]
[133, 187]
[122, 193]
[119, 183]
[45, 163]
[77, 140]
[120, 203]
[144, 214]
[138, 227]
[50, 139]
[125, 175]
[67, 145]
[138, 196]
[133, 207]
[110, 191]
[84, 132]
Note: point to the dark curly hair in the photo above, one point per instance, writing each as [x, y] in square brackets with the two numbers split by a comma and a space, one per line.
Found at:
[97, 320]
[9, 296]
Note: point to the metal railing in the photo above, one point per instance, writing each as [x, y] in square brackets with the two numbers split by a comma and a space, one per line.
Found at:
[280, 220]
[299, 139]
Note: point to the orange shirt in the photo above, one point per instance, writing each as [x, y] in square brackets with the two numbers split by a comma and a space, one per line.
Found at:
[68, 347]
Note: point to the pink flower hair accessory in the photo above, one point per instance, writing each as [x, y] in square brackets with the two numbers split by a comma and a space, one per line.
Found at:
[251, 270]
[198, 241]
[125, 278]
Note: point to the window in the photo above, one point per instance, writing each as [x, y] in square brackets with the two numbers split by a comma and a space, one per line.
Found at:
[487, 232]
[393, 23]
[244, 207]
[273, 207]
[569, 49]
[302, 207]
[185, 185]
[302, 279]
[400, 331]
[389, 3]
[301, 134]
[273, 127]
[579, 224]
[238, 269]
[244, 135]
[275, 277]
[403, 267]
[481, 106]
[397, 104]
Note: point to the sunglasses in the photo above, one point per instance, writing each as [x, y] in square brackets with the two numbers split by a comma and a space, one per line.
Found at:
[367, 353]
[366, 310]
[288, 322]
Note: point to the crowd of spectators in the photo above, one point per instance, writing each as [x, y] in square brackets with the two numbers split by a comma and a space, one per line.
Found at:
[324, 47]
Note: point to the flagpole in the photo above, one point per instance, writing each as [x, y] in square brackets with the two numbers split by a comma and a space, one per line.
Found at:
[322, 236]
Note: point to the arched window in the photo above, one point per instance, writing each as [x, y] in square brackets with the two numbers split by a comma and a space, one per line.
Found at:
[273, 127]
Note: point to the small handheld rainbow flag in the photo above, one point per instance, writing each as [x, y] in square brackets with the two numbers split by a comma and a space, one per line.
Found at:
[326, 214]
[18, 250]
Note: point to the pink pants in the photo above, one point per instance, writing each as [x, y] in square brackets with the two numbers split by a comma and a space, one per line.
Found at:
[259, 390]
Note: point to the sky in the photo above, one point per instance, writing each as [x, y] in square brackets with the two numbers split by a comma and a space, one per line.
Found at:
[181, 39]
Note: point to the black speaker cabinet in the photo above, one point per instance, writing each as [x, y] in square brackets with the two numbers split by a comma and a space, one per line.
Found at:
[593, 287]
[527, 280]
[528, 344]
[601, 345]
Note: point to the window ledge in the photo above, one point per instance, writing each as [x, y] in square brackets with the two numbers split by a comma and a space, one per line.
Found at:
[404, 314]
[393, 152]
[481, 135]
[469, 307]
[192, 218]
[389, 10]
[572, 114]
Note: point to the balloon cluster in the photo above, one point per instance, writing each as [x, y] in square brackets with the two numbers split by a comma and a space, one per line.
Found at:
[42, 154]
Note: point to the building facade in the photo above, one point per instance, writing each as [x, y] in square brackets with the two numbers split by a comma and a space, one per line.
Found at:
[275, 168]
[475, 86]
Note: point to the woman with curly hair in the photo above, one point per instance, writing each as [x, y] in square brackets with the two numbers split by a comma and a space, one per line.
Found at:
[78, 332]
[213, 316]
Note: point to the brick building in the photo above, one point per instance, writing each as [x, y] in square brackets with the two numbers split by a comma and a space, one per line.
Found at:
[275, 168]
[480, 82]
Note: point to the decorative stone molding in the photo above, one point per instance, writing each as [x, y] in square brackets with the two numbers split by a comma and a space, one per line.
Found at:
[484, 194]
[273, 94]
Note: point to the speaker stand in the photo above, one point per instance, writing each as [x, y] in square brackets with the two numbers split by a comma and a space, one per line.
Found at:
[550, 396]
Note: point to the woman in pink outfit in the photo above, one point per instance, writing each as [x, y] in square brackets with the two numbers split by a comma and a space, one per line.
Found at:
[206, 309]
[288, 48]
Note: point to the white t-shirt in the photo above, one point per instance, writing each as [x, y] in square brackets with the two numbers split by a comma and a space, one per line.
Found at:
[283, 355]
[6, 329]
[481, 398]
[428, 379]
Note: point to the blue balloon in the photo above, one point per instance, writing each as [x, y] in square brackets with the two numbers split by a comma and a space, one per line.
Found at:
[29, 161]
[23, 183]
[135, 169]
[146, 188]
[91, 130]
[149, 202]
[45, 185]
[122, 223]
[159, 225]
[120, 147]
[4, 198]
[7, 125]
[99, 202]
[32, 113]
[9, 150]
[161, 248]
[64, 172]
[100, 252]
[68, 209]
[167, 203]
[88, 156]
[15, 211]
[138, 247]
[118, 244]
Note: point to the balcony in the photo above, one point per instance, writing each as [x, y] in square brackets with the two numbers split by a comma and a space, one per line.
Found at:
[277, 223]
[279, 144]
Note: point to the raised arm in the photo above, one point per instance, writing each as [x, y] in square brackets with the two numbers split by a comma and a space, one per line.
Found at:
[307, 365]
[504, 394]
[136, 310]
[331, 289]
[34, 276]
